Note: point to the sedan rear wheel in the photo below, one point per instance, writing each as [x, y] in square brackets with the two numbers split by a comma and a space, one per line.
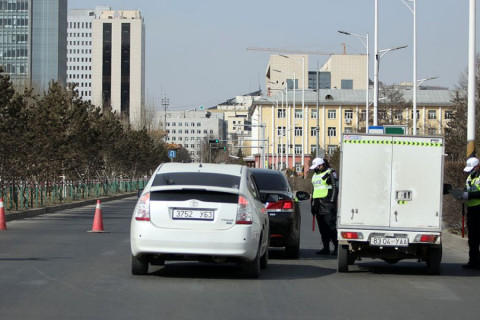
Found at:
[139, 265]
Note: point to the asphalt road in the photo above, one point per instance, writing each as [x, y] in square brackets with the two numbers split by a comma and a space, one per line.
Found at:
[52, 268]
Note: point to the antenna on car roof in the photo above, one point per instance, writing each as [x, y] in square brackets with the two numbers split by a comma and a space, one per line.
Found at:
[200, 165]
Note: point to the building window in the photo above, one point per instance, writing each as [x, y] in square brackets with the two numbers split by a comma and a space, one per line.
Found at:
[174, 124]
[382, 114]
[298, 167]
[180, 124]
[418, 114]
[180, 130]
[432, 114]
[298, 114]
[348, 129]
[348, 114]
[200, 131]
[313, 132]
[313, 114]
[186, 124]
[281, 113]
[198, 124]
[298, 131]
[205, 131]
[211, 131]
[347, 84]
[432, 131]
[174, 131]
[332, 131]
[332, 114]
[298, 149]
[281, 148]
[448, 114]
[398, 115]
[363, 115]
[331, 149]
[281, 131]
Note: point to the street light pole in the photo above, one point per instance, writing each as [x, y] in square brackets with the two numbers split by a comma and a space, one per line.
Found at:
[367, 98]
[379, 55]
[304, 123]
[414, 93]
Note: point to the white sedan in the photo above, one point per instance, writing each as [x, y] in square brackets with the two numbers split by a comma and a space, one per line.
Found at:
[200, 212]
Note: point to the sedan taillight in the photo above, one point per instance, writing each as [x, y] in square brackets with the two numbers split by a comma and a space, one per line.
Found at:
[244, 212]
[142, 210]
[283, 205]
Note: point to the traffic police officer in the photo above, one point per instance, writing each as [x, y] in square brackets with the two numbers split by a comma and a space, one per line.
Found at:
[324, 203]
[472, 195]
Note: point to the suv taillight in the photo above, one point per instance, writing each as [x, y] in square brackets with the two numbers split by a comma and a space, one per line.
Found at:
[142, 209]
[244, 212]
[281, 205]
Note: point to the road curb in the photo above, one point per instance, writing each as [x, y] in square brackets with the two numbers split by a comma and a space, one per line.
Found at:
[18, 215]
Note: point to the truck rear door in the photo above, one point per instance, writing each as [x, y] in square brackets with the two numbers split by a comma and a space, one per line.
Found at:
[417, 171]
[365, 181]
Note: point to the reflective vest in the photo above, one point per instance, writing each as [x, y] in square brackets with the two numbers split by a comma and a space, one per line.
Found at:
[473, 185]
[320, 186]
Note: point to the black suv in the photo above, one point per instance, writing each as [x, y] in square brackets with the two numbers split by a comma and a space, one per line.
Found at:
[283, 209]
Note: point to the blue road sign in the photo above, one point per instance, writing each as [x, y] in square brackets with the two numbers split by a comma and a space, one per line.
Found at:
[172, 153]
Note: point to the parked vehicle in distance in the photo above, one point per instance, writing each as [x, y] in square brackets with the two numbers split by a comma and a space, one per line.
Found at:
[200, 212]
[283, 209]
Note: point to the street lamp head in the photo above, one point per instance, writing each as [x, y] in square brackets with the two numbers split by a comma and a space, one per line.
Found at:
[344, 32]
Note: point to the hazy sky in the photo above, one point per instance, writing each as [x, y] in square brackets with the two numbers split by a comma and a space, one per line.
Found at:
[196, 49]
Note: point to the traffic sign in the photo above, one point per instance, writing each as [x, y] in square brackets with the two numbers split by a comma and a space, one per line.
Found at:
[172, 153]
[201, 108]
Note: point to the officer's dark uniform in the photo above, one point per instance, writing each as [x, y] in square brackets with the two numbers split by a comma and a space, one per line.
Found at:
[324, 206]
[473, 217]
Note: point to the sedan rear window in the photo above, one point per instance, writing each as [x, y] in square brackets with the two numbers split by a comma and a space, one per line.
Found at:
[197, 179]
[266, 181]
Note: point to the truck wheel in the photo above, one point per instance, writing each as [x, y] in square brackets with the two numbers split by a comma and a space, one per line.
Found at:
[139, 265]
[434, 260]
[343, 258]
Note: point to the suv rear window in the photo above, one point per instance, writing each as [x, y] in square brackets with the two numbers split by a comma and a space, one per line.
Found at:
[267, 181]
[196, 179]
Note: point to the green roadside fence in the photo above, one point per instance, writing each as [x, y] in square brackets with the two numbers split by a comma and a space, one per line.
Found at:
[26, 195]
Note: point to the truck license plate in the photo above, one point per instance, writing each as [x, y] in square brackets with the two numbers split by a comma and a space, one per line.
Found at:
[391, 242]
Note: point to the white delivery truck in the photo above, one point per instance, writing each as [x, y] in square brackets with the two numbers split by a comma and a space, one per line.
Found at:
[390, 200]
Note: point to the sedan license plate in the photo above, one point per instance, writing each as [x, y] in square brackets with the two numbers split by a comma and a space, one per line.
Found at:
[389, 242]
[187, 214]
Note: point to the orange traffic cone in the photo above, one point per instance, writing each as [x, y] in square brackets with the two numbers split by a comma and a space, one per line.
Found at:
[3, 223]
[97, 220]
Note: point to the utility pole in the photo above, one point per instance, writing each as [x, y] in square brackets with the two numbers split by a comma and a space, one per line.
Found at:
[165, 103]
[471, 82]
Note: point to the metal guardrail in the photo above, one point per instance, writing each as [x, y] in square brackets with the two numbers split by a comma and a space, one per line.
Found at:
[27, 195]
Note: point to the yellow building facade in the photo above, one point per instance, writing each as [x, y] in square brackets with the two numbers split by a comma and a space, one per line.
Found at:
[289, 128]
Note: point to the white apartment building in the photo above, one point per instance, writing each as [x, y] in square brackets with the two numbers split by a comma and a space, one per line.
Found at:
[79, 49]
[191, 129]
[118, 64]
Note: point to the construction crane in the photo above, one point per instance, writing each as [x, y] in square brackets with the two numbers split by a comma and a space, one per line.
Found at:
[290, 51]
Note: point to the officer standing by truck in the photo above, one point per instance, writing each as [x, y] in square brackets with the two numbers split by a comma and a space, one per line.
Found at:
[324, 203]
[472, 195]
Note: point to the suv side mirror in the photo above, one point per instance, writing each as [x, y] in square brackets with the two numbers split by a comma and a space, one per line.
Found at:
[302, 195]
[447, 187]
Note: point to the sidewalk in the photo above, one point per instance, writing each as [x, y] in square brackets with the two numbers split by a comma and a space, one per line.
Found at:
[17, 215]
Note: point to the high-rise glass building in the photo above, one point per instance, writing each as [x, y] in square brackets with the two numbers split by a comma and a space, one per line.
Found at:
[33, 41]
